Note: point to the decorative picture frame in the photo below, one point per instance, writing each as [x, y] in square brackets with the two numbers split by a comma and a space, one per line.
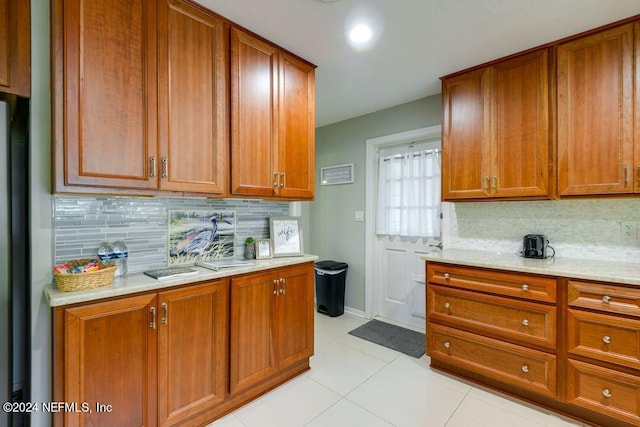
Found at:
[264, 248]
[338, 174]
[200, 235]
[286, 235]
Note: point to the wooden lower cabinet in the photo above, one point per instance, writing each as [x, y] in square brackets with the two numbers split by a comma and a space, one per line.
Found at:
[109, 358]
[192, 350]
[271, 324]
[516, 365]
[163, 358]
[604, 390]
[580, 358]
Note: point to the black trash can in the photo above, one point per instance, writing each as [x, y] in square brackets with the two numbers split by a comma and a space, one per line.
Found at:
[330, 278]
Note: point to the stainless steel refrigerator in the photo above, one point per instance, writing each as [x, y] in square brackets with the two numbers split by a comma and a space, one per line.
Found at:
[14, 287]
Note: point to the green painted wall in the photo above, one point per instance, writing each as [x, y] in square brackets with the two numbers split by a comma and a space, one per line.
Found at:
[330, 229]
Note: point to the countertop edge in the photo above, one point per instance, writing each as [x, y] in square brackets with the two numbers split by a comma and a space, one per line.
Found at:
[586, 269]
[139, 282]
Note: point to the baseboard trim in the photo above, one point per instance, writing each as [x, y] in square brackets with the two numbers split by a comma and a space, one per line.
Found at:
[354, 312]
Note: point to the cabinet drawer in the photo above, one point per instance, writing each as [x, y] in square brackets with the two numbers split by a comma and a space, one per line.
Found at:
[609, 298]
[604, 390]
[514, 365]
[507, 318]
[525, 286]
[609, 338]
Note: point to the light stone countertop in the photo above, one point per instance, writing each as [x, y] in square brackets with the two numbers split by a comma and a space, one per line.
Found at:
[606, 271]
[140, 283]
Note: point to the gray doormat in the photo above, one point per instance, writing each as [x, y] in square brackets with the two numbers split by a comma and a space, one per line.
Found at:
[406, 341]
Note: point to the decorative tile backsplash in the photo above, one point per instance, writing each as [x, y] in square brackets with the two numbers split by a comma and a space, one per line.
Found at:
[81, 223]
[588, 229]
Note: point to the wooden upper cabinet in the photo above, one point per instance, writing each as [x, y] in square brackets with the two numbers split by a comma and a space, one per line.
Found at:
[15, 47]
[595, 83]
[296, 130]
[496, 130]
[636, 163]
[192, 350]
[521, 126]
[272, 120]
[192, 99]
[109, 92]
[466, 135]
[110, 354]
[254, 115]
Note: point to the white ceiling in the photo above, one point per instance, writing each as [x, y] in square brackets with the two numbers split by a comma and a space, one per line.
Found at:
[418, 40]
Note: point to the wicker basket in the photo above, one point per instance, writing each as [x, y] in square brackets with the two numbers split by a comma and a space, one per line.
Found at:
[68, 282]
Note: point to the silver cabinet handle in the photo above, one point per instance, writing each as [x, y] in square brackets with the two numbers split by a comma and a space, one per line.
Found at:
[486, 183]
[283, 180]
[152, 325]
[525, 322]
[165, 313]
[606, 339]
[283, 283]
[275, 287]
[447, 305]
[275, 179]
[607, 393]
[525, 368]
[446, 276]
[152, 172]
[494, 182]
[627, 174]
[165, 167]
[525, 287]
[447, 344]
[606, 299]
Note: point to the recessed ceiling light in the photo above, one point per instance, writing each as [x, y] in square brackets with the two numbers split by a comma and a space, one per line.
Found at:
[360, 34]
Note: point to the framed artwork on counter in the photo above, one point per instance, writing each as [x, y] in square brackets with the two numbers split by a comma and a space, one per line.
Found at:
[264, 249]
[286, 235]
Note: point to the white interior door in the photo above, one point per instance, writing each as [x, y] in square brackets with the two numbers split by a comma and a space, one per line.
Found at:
[400, 279]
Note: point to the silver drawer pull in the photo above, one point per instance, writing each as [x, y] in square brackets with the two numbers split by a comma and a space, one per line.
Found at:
[606, 299]
[607, 393]
[447, 344]
[525, 322]
[447, 305]
[606, 339]
[525, 287]
[525, 368]
[446, 276]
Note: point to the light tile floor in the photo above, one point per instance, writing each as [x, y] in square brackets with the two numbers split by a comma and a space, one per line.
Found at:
[355, 383]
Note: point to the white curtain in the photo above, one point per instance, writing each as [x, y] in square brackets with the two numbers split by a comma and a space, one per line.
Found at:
[409, 194]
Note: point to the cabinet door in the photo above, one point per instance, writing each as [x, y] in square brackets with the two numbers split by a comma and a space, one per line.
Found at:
[521, 126]
[192, 99]
[595, 113]
[192, 350]
[15, 47]
[296, 135]
[254, 116]
[636, 163]
[252, 356]
[109, 358]
[466, 135]
[294, 315]
[109, 103]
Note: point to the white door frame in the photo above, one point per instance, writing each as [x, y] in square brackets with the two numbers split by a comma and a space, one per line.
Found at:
[370, 202]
